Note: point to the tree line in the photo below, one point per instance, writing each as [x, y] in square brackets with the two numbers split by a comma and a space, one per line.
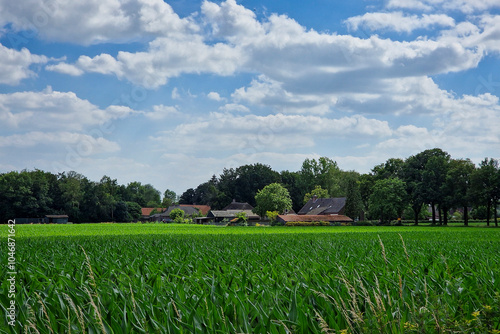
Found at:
[34, 194]
[398, 188]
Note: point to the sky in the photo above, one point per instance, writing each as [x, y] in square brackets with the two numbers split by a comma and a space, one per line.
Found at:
[171, 93]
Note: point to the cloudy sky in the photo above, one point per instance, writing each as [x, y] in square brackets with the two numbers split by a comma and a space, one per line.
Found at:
[169, 93]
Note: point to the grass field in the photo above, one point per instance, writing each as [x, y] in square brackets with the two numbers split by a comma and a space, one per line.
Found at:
[156, 278]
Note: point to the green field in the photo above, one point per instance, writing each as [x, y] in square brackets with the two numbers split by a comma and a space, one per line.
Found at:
[156, 278]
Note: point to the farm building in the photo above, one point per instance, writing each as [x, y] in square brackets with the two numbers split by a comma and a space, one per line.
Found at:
[189, 210]
[48, 219]
[313, 218]
[220, 215]
[324, 206]
[238, 206]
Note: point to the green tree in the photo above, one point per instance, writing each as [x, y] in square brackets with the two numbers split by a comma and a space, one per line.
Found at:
[323, 172]
[486, 187]
[134, 210]
[388, 199]
[169, 198]
[350, 184]
[457, 186]
[177, 215]
[318, 192]
[121, 212]
[273, 197]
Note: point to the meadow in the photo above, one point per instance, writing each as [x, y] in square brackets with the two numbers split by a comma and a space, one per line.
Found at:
[158, 278]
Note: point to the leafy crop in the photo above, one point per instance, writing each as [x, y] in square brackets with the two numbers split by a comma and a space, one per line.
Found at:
[157, 278]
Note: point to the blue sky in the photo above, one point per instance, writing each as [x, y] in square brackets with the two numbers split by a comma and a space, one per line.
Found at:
[170, 93]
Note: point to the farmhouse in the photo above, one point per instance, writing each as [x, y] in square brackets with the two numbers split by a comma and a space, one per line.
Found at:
[324, 206]
[313, 218]
[220, 215]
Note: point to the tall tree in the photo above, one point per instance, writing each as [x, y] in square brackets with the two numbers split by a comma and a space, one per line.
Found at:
[350, 184]
[273, 197]
[486, 186]
[169, 198]
[388, 199]
[424, 175]
[457, 187]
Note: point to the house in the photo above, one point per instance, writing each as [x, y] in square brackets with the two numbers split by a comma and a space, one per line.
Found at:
[220, 215]
[146, 212]
[238, 206]
[313, 218]
[189, 210]
[203, 209]
[324, 206]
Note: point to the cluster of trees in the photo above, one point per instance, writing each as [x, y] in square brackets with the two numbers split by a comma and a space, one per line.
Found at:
[38, 193]
[395, 189]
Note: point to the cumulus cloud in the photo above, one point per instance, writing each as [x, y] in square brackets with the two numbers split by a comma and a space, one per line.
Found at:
[59, 138]
[398, 21]
[46, 109]
[94, 21]
[15, 65]
[465, 6]
[162, 112]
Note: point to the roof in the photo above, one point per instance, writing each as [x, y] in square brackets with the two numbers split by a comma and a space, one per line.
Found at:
[231, 213]
[188, 210]
[202, 208]
[323, 206]
[147, 211]
[57, 216]
[312, 218]
[238, 206]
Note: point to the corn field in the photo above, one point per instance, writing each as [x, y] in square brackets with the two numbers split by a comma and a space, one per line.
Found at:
[156, 278]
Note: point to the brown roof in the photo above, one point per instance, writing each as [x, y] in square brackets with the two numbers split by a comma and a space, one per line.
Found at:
[202, 208]
[312, 218]
[147, 211]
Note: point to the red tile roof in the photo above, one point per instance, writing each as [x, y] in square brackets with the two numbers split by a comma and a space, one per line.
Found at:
[312, 218]
[203, 208]
[147, 211]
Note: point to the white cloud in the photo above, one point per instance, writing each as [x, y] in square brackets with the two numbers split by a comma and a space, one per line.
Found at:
[251, 133]
[234, 107]
[15, 65]
[215, 96]
[60, 139]
[398, 21]
[48, 109]
[65, 69]
[465, 6]
[161, 112]
[94, 21]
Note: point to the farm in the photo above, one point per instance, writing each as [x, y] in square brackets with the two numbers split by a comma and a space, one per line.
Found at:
[159, 278]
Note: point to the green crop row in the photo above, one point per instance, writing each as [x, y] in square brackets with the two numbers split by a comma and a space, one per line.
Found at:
[268, 280]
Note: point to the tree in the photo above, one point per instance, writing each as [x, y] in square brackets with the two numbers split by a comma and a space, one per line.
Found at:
[177, 215]
[486, 187]
[169, 198]
[134, 210]
[273, 197]
[187, 197]
[318, 192]
[353, 204]
[323, 172]
[457, 187]
[424, 175]
[121, 212]
[388, 199]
